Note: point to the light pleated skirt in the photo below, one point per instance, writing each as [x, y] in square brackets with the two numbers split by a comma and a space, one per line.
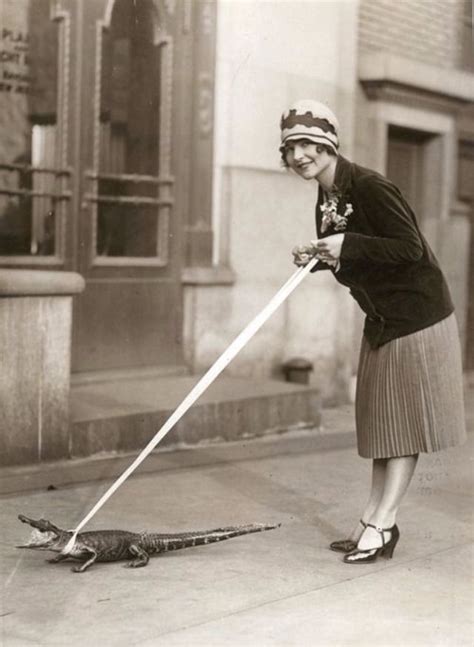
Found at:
[409, 396]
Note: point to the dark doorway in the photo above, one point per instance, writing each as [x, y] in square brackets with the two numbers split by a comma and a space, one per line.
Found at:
[466, 195]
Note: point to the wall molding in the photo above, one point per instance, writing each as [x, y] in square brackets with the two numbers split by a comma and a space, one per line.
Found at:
[380, 73]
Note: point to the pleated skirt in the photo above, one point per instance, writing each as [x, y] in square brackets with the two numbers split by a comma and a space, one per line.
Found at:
[409, 396]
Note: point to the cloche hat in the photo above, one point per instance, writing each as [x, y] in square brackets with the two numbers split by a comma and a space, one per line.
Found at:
[308, 119]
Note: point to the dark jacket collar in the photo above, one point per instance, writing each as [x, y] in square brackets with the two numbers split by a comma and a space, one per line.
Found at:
[343, 176]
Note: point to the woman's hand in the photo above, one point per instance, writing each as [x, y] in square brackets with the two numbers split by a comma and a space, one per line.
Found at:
[326, 249]
[302, 254]
[329, 248]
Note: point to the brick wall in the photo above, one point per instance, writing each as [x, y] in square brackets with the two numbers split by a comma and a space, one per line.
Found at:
[428, 31]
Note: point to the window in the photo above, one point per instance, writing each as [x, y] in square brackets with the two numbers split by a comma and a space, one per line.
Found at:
[32, 191]
[129, 213]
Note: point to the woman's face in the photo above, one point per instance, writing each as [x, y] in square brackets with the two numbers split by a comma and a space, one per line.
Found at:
[307, 159]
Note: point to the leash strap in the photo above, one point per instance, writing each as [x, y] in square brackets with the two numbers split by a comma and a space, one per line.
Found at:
[227, 356]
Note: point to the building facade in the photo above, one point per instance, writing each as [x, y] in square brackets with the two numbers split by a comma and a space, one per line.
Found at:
[415, 116]
[140, 153]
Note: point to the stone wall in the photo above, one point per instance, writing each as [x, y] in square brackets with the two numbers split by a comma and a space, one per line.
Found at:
[413, 77]
[424, 30]
[270, 54]
[35, 351]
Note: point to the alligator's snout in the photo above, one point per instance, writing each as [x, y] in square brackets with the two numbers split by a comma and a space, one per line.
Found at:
[44, 533]
[35, 523]
[41, 524]
[24, 519]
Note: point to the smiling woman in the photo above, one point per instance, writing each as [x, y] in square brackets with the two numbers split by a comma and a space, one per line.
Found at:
[308, 159]
[308, 143]
[409, 386]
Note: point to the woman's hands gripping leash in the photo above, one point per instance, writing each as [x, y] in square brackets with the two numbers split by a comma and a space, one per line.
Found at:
[326, 249]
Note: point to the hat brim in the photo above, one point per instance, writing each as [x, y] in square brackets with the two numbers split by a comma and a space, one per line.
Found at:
[316, 139]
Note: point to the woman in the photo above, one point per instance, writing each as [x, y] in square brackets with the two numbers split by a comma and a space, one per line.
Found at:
[409, 396]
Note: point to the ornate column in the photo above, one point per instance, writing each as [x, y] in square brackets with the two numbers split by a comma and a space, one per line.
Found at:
[198, 231]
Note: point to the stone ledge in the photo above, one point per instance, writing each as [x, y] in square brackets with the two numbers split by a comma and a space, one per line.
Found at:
[378, 67]
[207, 422]
[20, 283]
[123, 416]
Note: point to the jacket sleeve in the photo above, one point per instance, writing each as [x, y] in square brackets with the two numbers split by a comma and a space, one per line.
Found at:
[322, 266]
[397, 239]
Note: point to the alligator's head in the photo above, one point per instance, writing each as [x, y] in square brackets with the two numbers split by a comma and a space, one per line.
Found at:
[45, 535]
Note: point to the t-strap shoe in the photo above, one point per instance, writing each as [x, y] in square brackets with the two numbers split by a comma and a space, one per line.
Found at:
[370, 555]
[346, 545]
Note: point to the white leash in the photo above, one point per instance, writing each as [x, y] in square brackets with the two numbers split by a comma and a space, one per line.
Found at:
[227, 356]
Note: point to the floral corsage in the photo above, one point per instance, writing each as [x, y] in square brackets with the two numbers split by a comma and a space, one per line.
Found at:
[331, 217]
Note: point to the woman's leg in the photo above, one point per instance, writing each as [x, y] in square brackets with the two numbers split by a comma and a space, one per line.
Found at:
[379, 466]
[398, 474]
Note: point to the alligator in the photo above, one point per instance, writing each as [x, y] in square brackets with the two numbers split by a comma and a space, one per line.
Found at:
[115, 545]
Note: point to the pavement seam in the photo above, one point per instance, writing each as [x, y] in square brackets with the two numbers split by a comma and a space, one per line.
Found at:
[303, 593]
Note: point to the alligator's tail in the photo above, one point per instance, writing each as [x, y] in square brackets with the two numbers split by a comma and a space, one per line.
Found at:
[157, 543]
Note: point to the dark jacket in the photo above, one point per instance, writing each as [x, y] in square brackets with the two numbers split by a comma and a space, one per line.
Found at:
[385, 260]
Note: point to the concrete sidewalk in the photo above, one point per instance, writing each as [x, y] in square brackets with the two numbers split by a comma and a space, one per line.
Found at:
[280, 588]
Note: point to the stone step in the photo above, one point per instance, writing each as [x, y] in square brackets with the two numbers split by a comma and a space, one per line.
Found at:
[122, 416]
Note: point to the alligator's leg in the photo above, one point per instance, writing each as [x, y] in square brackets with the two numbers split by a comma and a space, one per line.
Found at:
[57, 558]
[86, 564]
[142, 557]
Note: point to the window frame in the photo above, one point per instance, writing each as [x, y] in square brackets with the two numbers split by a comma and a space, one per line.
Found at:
[61, 170]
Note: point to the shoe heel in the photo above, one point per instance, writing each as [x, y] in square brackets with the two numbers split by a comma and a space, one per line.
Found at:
[389, 550]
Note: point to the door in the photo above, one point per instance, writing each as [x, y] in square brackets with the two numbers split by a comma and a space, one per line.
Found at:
[414, 164]
[88, 175]
[466, 195]
[127, 232]
[404, 158]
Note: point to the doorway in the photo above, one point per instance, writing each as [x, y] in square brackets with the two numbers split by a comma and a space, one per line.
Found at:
[127, 237]
[87, 175]
[405, 165]
[466, 195]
